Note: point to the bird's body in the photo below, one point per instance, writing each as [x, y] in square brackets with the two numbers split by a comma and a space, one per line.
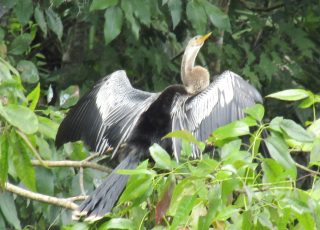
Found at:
[113, 113]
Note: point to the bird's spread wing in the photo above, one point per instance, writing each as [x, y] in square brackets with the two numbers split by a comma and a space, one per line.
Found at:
[221, 103]
[106, 115]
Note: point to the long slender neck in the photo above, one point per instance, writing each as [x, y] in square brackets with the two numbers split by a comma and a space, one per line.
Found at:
[187, 64]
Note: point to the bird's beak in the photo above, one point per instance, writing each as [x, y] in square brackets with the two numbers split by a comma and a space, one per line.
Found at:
[203, 38]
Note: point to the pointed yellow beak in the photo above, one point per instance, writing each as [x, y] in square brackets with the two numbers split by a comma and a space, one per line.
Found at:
[203, 38]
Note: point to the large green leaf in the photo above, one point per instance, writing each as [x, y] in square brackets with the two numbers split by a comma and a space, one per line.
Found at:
[256, 111]
[295, 131]
[127, 7]
[8, 209]
[290, 94]
[184, 208]
[118, 223]
[20, 44]
[137, 188]
[40, 19]
[161, 157]
[54, 22]
[21, 161]
[272, 171]
[48, 127]
[28, 70]
[113, 23]
[4, 73]
[102, 4]
[20, 117]
[234, 129]
[33, 97]
[175, 7]
[315, 153]
[196, 15]
[142, 10]
[3, 159]
[279, 151]
[217, 17]
[23, 10]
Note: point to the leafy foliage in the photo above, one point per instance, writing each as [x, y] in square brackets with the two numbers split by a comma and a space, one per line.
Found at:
[53, 51]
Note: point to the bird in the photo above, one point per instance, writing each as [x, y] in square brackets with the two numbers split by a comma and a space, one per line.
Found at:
[113, 114]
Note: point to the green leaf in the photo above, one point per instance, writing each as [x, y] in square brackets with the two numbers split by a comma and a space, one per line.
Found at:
[314, 128]
[41, 21]
[48, 127]
[128, 13]
[20, 44]
[23, 11]
[175, 7]
[34, 96]
[234, 129]
[142, 11]
[4, 73]
[3, 159]
[231, 149]
[275, 124]
[279, 151]
[136, 172]
[45, 181]
[43, 148]
[28, 70]
[118, 223]
[196, 15]
[227, 212]
[295, 131]
[138, 187]
[113, 23]
[69, 96]
[8, 209]
[187, 136]
[20, 117]
[256, 111]
[273, 171]
[315, 153]
[54, 22]
[267, 66]
[21, 161]
[184, 208]
[290, 94]
[217, 17]
[102, 4]
[161, 157]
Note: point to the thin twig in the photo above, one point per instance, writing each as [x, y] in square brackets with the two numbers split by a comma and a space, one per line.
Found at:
[77, 198]
[26, 140]
[307, 169]
[62, 202]
[69, 163]
[270, 8]
[81, 183]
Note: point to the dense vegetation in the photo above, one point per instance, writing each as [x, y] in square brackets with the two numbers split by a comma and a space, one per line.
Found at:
[52, 51]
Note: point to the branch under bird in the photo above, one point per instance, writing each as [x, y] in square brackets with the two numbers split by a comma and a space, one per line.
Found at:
[114, 113]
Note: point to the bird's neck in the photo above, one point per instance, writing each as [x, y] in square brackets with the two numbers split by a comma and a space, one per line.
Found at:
[187, 64]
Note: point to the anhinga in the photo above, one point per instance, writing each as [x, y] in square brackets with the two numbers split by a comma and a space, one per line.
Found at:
[114, 112]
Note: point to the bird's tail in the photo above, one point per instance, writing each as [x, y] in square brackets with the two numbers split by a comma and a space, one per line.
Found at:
[103, 199]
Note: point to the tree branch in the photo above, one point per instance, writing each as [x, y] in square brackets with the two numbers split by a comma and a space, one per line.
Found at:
[69, 163]
[62, 202]
[271, 8]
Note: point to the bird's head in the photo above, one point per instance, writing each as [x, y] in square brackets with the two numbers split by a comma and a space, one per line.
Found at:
[198, 40]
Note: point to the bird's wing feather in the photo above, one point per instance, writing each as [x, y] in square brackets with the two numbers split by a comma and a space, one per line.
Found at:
[106, 115]
[221, 103]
